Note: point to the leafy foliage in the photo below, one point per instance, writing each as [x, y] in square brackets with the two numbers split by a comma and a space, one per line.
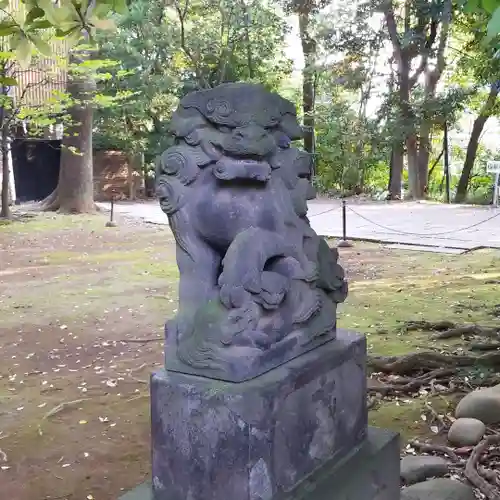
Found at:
[166, 49]
[27, 26]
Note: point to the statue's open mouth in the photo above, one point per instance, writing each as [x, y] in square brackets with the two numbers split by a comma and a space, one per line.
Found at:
[231, 169]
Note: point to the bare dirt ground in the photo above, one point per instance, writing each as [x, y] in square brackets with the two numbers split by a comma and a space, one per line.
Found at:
[82, 309]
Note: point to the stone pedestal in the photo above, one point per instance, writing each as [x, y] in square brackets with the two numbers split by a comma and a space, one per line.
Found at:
[297, 432]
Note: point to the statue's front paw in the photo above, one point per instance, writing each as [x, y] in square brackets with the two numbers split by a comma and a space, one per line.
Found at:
[252, 282]
[233, 296]
[252, 338]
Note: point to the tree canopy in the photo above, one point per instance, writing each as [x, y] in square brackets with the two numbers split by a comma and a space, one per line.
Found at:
[378, 85]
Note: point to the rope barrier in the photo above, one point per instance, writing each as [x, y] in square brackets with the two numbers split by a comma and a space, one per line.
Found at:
[425, 234]
[324, 212]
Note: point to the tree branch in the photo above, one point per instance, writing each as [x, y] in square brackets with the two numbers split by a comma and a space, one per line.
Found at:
[390, 21]
[443, 36]
[421, 68]
[182, 13]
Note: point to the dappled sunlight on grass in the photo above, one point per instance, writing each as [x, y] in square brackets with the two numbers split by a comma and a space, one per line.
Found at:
[461, 288]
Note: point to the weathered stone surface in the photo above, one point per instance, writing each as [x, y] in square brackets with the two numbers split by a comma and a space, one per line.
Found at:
[216, 440]
[483, 405]
[420, 468]
[257, 285]
[438, 489]
[466, 432]
[371, 473]
[141, 492]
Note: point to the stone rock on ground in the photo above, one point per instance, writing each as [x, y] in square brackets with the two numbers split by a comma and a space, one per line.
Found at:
[483, 405]
[466, 432]
[420, 468]
[438, 489]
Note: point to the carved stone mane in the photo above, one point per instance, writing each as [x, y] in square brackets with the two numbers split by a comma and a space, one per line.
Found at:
[257, 285]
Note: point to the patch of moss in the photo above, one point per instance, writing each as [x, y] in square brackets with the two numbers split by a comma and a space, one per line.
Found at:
[405, 416]
[42, 222]
[462, 289]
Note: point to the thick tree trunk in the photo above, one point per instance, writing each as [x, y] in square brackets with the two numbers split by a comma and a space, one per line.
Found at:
[75, 189]
[413, 171]
[418, 138]
[396, 173]
[472, 146]
[309, 77]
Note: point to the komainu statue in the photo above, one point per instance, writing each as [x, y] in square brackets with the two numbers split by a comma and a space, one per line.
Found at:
[258, 286]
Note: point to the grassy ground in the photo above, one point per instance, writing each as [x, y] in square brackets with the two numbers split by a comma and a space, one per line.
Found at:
[74, 403]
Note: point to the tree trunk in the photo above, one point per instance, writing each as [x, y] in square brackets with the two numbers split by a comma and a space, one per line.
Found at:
[417, 138]
[424, 154]
[134, 164]
[413, 171]
[396, 172]
[470, 157]
[308, 85]
[5, 212]
[75, 189]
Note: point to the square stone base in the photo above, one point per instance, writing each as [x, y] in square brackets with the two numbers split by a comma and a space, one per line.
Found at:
[371, 473]
[255, 440]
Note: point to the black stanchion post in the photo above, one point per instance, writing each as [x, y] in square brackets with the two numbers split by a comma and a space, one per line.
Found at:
[111, 222]
[343, 243]
[446, 162]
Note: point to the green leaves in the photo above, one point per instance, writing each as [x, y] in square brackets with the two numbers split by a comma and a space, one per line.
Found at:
[22, 48]
[70, 19]
[8, 28]
[490, 5]
[35, 13]
[8, 81]
[491, 8]
[494, 24]
[65, 17]
[103, 24]
[41, 45]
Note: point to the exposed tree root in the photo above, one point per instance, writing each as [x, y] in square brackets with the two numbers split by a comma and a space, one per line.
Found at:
[448, 329]
[469, 330]
[484, 346]
[403, 385]
[428, 361]
[431, 326]
[491, 492]
[51, 203]
[434, 448]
